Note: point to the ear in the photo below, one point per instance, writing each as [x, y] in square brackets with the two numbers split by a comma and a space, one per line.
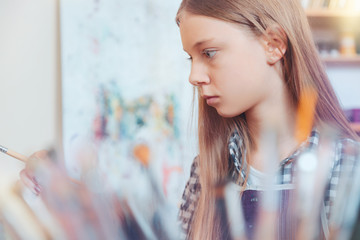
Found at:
[275, 43]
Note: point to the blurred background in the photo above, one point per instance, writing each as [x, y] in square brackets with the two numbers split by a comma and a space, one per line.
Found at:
[56, 54]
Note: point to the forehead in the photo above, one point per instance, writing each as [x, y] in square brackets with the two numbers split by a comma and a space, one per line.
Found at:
[196, 28]
[200, 23]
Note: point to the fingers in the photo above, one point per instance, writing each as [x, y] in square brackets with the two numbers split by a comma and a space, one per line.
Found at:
[42, 154]
[35, 162]
[30, 182]
[36, 158]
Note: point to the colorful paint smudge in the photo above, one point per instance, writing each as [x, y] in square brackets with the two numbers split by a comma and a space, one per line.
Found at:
[119, 119]
[143, 128]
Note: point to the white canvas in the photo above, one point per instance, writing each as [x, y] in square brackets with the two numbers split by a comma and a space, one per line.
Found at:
[125, 90]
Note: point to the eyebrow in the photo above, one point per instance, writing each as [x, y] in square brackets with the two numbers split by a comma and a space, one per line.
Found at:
[199, 43]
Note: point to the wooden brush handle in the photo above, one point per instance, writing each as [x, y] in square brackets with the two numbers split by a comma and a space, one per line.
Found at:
[17, 155]
[13, 154]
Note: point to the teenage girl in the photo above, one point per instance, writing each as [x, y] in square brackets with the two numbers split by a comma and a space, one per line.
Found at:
[251, 61]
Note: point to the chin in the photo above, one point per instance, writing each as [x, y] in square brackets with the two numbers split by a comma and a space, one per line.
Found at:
[225, 114]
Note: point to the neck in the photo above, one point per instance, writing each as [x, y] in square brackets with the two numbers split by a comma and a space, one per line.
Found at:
[276, 114]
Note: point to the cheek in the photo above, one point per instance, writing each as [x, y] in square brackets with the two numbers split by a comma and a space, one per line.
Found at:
[241, 88]
[241, 79]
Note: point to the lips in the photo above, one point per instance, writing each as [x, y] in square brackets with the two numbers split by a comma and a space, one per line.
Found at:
[211, 100]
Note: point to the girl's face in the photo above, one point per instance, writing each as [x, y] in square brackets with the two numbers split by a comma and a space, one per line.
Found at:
[228, 64]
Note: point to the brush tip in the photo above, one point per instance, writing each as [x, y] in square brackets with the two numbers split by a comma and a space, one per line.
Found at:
[142, 154]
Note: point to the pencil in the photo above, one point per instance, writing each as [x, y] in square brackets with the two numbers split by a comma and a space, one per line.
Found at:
[13, 154]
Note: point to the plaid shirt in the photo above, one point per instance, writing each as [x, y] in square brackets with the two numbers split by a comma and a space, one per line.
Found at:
[285, 175]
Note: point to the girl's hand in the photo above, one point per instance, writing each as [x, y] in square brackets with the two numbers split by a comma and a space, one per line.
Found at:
[27, 175]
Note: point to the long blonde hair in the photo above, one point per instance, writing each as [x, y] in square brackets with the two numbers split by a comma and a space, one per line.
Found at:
[302, 68]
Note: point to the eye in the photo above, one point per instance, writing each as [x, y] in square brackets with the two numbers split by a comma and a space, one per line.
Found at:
[209, 53]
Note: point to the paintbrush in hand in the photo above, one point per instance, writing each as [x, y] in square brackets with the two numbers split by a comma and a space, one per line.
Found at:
[24, 159]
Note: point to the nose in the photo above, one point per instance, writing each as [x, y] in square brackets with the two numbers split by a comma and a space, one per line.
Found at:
[199, 75]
